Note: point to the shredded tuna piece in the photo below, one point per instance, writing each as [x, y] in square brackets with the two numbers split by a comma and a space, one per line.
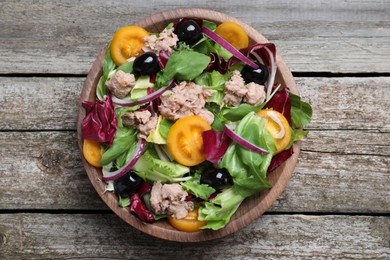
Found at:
[148, 127]
[255, 95]
[186, 99]
[142, 120]
[166, 41]
[170, 199]
[235, 89]
[120, 84]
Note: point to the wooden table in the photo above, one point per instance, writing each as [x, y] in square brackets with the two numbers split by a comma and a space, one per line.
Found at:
[337, 205]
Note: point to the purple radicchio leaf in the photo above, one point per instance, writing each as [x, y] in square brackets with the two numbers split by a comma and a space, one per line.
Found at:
[139, 209]
[280, 158]
[265, 53]
[163, 58]
[215, 145]
[100, 122]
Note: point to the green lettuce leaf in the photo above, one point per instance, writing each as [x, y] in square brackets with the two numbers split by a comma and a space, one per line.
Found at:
[193, 185]
[164, 127]
[247, 168]
[218, 212]
[125, 140]
[141, 87]
[108, 66]
[124, 201]
[185, 64]
[301, 112]
[237, 113]
[155, 136]
[150, 168]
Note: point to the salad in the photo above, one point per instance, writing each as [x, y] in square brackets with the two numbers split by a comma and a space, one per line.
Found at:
[188, 121]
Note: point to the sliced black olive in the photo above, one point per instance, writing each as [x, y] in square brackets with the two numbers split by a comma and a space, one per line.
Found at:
[216, 178]
[127, 184]
[188, 32]
[259, 75]
[146, 64]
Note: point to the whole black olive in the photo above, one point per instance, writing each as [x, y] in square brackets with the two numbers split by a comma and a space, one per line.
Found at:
[259, 75]
[127, 184]
[216, 178]
[146, 64]
[189, 32]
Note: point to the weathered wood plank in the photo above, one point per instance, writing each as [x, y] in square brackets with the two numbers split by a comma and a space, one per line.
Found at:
[47, 166]
[63, 37]
[332, 182]
[272, 236]
[338, 103]
[348, 103]
[39, 103]
[43, 170]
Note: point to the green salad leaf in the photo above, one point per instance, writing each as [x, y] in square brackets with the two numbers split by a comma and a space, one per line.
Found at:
[124, 201]
[185, 64]
[108, 66]
[247, 168]
[218, 212]
[150, 168]
[193, 185]
[124, 142]
[301, 112]
[164, 127]
[141, 87]
[126, 67]
[155, 136]
[237, 113]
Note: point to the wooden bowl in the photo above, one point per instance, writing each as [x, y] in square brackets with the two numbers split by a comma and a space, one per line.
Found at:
[253, 207]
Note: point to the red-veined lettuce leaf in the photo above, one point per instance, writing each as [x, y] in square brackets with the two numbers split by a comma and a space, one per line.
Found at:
[100, 122]
[215, 145]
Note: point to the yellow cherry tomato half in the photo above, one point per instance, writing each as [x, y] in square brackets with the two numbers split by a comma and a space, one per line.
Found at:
[127, 42]
[276, 124]
[188, 224]
[185, 142]
[92, 152]
[233, 34]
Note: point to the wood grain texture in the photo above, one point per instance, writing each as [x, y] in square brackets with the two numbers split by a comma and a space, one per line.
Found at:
[338, 103]
[101, 236]
[43, 170]
[39, 103]
[64, 37]
[47, 166]
[344, 167]
[348, 103]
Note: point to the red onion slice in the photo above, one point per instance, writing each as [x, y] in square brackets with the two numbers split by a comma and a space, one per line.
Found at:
[241, 141]
[236, 53]
[145, 99]
[108, 176]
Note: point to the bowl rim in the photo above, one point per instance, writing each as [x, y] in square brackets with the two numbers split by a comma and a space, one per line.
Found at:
[263, 200]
